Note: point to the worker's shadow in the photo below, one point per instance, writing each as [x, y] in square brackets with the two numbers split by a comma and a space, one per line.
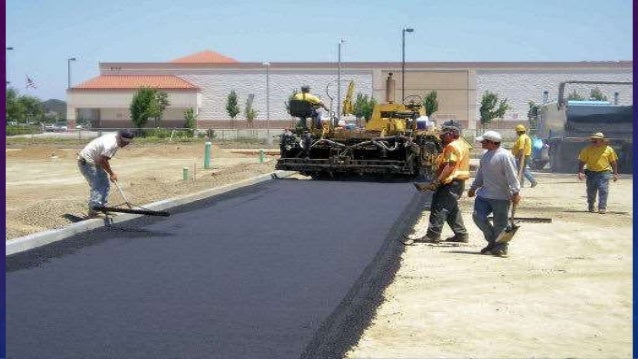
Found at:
[465, 252]
[460, 250]
[72, 218]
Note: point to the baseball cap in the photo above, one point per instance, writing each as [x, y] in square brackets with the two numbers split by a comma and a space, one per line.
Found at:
[490, 136]
[450, 129]
[125, 135]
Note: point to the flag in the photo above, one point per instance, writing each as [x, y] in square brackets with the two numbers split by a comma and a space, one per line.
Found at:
[30, 83]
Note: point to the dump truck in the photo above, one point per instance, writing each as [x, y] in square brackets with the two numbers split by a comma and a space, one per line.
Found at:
[564, 128]
[393, 142]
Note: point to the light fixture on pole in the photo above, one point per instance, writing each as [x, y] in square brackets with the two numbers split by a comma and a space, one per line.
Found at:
[405, 29]
[9, 48]
[339, 82]
[68, 61]
[267, 64]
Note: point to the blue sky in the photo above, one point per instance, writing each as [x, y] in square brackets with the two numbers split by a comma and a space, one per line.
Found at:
[44, 34]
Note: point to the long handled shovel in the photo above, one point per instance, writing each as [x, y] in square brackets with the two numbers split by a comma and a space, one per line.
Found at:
[128, 204]
[130, 209]
[508, 233]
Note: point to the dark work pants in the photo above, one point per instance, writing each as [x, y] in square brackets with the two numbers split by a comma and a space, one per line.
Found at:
[445, 208]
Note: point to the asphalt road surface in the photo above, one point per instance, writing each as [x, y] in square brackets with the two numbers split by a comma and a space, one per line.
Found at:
[283, 269]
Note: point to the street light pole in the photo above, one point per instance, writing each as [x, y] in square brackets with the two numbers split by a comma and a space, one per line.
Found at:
[267, 64]
[339, 82]
[405, 29]
[9, 48]
[68, 62]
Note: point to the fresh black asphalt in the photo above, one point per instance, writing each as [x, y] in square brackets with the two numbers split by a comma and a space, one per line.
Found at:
[283, 269]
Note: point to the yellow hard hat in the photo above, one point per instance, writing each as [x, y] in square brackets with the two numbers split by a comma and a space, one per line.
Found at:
[520, 128]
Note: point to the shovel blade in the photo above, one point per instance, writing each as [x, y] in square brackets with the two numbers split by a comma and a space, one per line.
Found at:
[507, 234]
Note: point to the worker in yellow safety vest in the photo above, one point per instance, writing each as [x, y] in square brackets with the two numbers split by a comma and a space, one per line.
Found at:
[522, 150]
[315, 101]
[453, 169]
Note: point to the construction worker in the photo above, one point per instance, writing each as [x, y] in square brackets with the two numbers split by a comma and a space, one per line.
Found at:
[522, 151]
[495, 187]
[453, 169]
[316, 102]
[601, 163]
[93, 162]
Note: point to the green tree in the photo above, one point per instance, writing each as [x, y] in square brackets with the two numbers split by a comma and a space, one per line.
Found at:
[533, 114]
[492, 107]
[430, 103]
[141, 106]
[14, 109]
[148, 103]
[158, 105]
[190, 121]
[597, 95]
[232, 108]
[33, 108]
[574, 96]
[363, 106]
[249, 111]
[534, 111]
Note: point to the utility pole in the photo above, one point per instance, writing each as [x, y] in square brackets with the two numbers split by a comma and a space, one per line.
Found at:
[405, 29]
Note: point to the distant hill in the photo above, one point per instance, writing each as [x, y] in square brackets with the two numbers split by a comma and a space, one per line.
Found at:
[57, 106]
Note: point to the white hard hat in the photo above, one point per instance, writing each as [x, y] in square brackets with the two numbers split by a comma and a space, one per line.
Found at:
[490, 136]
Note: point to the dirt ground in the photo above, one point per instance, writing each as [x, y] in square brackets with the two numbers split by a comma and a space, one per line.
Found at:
[565, 291]
[45, 189]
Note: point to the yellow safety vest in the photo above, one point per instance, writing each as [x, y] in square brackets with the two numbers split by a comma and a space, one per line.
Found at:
[458, 152]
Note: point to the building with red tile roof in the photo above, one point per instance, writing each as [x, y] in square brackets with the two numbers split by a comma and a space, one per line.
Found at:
[205, 57]
[202, 81]
[134, 82]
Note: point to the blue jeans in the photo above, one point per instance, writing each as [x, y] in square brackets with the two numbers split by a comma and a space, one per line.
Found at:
[483, 207]
[98, 181]
[527, 173]
[597, 183]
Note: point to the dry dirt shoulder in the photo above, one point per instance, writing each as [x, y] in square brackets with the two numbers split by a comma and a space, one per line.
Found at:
[45, 189]
[565, 290]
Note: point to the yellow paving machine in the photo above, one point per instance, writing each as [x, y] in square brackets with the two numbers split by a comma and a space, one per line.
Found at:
[393, 142]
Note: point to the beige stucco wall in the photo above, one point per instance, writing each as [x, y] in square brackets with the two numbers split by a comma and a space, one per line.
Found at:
[459, 86]
[113, 106]
[455, 90]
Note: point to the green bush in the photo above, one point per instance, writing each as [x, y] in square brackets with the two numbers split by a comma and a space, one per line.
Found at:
[21, 130]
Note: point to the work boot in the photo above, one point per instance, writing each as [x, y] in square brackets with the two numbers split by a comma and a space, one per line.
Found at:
[591, 209]
[407, 241]
[429, 238]
[458, 238]
[602, 211]
[487, 250]
[534, 184]
[425, 239]
[500, 252]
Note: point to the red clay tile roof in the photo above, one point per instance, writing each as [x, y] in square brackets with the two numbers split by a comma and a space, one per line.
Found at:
[112, 82]
[205, 57]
